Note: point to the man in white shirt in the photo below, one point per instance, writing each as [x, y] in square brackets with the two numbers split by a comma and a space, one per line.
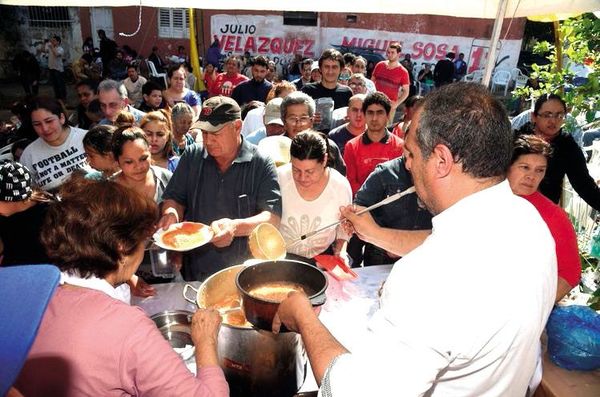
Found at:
[462, 313]
[56, 67]
[134, 83]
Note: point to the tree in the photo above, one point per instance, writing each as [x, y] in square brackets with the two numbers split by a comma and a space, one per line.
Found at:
[579, 47]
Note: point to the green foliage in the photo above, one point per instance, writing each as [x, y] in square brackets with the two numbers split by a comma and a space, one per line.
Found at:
[580, 46]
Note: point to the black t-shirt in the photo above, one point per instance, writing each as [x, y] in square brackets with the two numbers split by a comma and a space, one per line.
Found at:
[20, 234]
[341, 94]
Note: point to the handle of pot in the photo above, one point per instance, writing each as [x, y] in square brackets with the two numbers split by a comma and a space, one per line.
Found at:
[319, 299]
[185, 289]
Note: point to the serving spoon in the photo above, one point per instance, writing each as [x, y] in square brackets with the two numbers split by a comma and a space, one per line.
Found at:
[387, 200]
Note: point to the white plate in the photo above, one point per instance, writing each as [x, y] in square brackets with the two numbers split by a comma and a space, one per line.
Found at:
[188, 241]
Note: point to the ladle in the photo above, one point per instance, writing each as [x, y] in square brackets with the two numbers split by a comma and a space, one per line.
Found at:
[383, 202]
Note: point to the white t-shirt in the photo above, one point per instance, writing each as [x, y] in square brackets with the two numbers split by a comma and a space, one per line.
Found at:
[462, 314]
[299, 216]
[52, 165]
[134, 90]
[55, 57]
[253, 121]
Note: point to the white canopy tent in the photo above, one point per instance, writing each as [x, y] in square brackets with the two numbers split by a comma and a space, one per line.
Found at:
[487, 9]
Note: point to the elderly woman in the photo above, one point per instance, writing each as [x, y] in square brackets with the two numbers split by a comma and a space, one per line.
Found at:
[177, 92]
[157, 127]
[547, 120]
[96, 236]
[22, 211]
[528, 167]
[182, 118]
[312, 193]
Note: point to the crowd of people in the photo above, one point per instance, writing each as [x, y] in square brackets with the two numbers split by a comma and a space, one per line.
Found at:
[90, 188]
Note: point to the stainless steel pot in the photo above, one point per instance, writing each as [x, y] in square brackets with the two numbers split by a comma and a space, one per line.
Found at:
[255, 362]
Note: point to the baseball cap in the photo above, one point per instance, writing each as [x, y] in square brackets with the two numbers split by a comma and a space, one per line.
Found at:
[273, 112]
[315, 66]
[15, 182]
[21, 314]
[216, 112]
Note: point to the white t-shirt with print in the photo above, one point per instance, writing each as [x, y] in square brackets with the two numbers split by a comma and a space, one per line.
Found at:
[50, 166]
[300, 216]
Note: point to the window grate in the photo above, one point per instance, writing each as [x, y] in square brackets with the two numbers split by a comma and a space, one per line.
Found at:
[49, 17]
[173, 23]
[300, 18]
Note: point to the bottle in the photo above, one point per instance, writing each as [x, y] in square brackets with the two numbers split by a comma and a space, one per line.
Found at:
[324, 106]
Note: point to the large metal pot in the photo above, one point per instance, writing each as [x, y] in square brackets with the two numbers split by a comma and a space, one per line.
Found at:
[255, 362]
[260, 311]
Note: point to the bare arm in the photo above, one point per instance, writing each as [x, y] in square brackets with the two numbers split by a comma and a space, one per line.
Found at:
[562, 288]
[227, 229]
[398, 242]
[245, 226]
[172, 212]
[403, 94]
[298, 315]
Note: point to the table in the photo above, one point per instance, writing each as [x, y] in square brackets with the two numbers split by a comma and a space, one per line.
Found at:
[349, 305]
[559, 382]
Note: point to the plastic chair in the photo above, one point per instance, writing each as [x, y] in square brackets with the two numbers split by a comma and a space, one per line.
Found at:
[155, 74]
[501, 78]
[521, 81]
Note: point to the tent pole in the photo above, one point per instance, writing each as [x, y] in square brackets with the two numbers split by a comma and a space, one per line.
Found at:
[491, 59]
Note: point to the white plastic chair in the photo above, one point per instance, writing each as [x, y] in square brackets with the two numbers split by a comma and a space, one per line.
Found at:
[155, 74]
[521, 81]
[501, 78]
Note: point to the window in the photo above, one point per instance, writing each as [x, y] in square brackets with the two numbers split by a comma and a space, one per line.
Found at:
[300, 18]
[49, 17]
[173, 23]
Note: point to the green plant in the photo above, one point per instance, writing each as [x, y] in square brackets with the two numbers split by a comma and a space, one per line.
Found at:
[580, 46]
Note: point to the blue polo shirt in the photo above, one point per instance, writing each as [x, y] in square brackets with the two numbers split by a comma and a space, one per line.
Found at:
[249, 186]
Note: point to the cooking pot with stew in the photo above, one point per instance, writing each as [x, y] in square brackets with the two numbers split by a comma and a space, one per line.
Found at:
[255, 362]
[265, 285]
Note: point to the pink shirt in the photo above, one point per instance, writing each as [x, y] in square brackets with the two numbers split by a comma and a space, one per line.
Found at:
[91, 344]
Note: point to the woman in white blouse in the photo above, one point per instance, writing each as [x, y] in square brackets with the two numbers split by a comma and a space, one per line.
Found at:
[312, 193]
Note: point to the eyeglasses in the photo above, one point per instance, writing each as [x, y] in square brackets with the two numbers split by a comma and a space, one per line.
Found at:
[353, 84]
[550, 115]
[298, 120]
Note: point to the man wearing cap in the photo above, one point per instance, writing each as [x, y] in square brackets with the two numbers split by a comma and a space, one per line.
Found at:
[272, 120]
[226, 183]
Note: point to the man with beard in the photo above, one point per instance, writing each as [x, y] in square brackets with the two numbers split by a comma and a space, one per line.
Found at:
[258, 87]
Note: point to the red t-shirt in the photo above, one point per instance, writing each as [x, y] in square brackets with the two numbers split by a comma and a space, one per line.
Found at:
[225, 84]
[389, 81]
[362, 155]
[561, 228]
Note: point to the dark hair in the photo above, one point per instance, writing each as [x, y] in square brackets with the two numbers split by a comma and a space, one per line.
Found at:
[87, 57]
[450, 55]
[530, 144]
[378, 98]
[250, 106]
[20, 144]
[95, 225]
[94, 107]
[260, 60]
[49, 104]
[174, 68]
[546, 98]
[92, 84]
[132, 65]
[99, 138]
[310, 145]
[124, 134]
[413, 101]
[395, 45]
[332, 54]
[474, 125]
[349, 58]
[57, 38]
[149, 87]
[307, 61]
